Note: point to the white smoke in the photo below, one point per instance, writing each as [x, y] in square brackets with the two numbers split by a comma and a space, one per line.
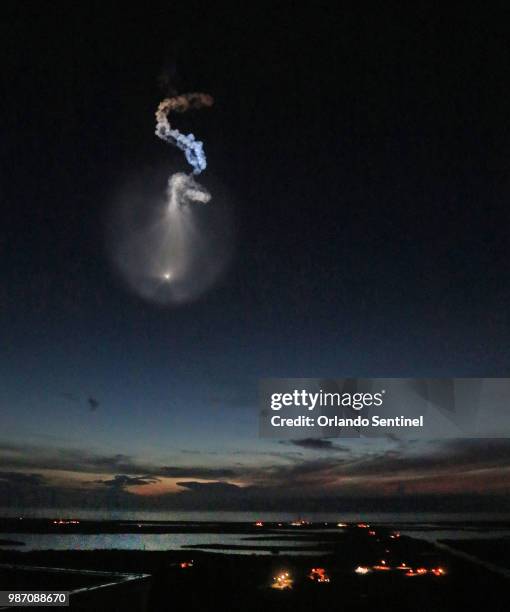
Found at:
[193, 149]
[183, 190]
[170, 248]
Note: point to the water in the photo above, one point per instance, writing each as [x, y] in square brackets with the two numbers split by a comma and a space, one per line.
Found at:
[138, 541]
[453, 533]
[426, 526]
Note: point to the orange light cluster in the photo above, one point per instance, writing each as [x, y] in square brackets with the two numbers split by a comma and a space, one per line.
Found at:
[259, 524]
[403, 567]
[318, 574]
[363, 525]
[422, 571]
[282, 581]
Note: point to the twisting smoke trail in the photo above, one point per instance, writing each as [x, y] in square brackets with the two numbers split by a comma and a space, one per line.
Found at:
[168, 247]
[182, 189]
[193, 149]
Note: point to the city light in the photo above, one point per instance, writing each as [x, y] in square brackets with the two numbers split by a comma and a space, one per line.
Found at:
[383, 566]
[403, 567]
[282, 581]
[318, 574]
[186, 564]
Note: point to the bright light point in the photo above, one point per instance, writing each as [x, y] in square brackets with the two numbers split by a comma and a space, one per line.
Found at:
[170, 247]
[282, 581]
[362, 570]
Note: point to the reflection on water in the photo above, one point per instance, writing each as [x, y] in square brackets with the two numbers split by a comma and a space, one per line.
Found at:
[136, 541]
[422, 526]
[222, 542]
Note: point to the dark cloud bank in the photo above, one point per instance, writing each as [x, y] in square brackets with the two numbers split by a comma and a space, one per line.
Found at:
[455, 475]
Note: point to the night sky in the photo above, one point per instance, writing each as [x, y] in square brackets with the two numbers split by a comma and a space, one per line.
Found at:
[365, 160]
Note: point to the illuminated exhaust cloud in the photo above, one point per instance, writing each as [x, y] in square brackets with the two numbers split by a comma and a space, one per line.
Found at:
[182, 190]
[168, 247]
[193, 149]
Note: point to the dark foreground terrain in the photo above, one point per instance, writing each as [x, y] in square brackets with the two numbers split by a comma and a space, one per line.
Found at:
[363, 568]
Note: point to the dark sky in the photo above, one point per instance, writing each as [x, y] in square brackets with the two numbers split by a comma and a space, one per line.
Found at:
[366, 159]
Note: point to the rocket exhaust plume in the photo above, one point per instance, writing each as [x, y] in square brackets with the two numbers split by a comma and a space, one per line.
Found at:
[182, 190]
[168, 247]
[193, 149]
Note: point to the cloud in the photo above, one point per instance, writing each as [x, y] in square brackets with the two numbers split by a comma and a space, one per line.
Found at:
[93, 403]
[204, 472]
[319, 444]
[22, 489]
[84, 461]
[453, 456]
[216, 487]
[217, 494]
[121, 481]
[21, 479]
[437, 470]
